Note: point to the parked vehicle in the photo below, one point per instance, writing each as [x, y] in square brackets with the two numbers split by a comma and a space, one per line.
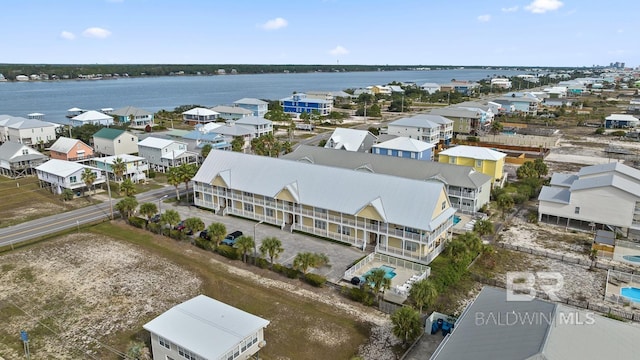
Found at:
[204, 234]
[180, 226]
[155, 218]
[230, 239]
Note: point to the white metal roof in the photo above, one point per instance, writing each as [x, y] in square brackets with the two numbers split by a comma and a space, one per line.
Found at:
[250, 101]
[422, 121]
[622, 117]
[348, 139]
[92, 115]
[253, 120]
[231, 110]
[201, 111]
[125, 158]
[64, 144]
[63, 168]
[154, 142]
[474, 152]
[406, 202]
[403, 143]
[205, 326]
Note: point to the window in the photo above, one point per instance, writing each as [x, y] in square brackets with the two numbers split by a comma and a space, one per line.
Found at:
[248, 207]
[163, 342]
[269, 212]
[25, 152]
[118, 141]
[389, 152]
[577, 210]
[344, 230]
[247, 194]
[444, 205]
[319, 224]
[73, 179]
[413, 155]
[452, 159]
[478, 163]
[320, 210]
[377, 150]
[411, 246]
[186, 354]
[399, 153]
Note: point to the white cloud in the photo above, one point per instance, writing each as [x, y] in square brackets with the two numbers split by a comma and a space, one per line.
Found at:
[620, 31]
[484, 18]
[338, 50]
[510, 9]
[275, 24]
[542, 6]
[96, 32]
[67, 35]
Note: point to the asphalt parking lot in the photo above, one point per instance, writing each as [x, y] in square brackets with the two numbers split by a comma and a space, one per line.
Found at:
[340, 256]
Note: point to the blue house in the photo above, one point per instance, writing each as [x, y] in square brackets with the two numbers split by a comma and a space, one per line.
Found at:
[405, 147]
[620, 121]
[300, 103]
[258, 106]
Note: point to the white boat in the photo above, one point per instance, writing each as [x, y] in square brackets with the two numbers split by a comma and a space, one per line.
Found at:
[22, 78]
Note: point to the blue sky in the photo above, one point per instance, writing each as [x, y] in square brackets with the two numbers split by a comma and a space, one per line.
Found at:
[464, 32]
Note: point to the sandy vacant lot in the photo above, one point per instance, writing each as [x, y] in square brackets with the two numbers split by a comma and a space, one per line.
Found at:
[72, 292]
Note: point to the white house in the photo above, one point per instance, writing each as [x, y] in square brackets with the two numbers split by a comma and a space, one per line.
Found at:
[430, 88]
[231, 112]
[405, 147]
[351, 140]
[259, 125]
[429, 128]
[598, 196]
[230, 131]
[199, 115]
[136, 166]
[91, 117]
[109, 141]
[163, 154]
[60, 174]
[137, 118]
[18, 160]
[257, 106]
[26, 131]
[206, 329]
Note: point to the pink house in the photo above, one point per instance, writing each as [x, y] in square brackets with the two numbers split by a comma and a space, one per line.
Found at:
[70, 149]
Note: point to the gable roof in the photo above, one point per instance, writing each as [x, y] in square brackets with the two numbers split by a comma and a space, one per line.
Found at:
[91, 115]
[250, 101]
[229, 129]
[65, 144]
[232, 110]
[622, 117]
[610, 167]
[200, 111]
[407, 202]
[130, 110]
[252, 120]
[474, 152]
[63, 168]
[457, 112]
[11, 151]
[205, 326]
[348, 139]
[22, 123]
[455, 175]
[421, 121]
[155, 142]
[403, 143]
[108, 133]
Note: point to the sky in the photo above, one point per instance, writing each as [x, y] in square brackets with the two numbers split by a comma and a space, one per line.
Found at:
[570, 33]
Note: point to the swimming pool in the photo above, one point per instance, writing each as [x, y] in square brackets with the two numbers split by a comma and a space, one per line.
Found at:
[633, 258]
[456, 219]
[389, 272]
[631, 293]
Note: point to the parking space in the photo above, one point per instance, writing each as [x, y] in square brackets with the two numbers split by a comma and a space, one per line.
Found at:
[340, 256]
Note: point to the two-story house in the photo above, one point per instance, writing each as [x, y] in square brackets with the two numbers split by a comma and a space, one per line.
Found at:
[199, 115]
[91, 117]
[259, 125]
[257, 106]
[299, 103]
[351, 140]
[465, 121]
[231, 112]
[405, 147]
[136, 167]
[70, 149]
[229, 131]
[404, 218]
[109, 141]
[58, 175]
[26, 131]
[525, 103]
[163, 154]
[18, 160]
[432, 129]
[484, 160]
[136, 118]
[203, 328]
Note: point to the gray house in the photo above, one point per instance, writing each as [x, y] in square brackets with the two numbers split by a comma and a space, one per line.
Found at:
[163, 154]
[18, 160]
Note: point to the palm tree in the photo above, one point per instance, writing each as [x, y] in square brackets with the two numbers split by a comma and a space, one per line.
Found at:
[126, 206]
[305, 260]
[379, 282]
[245, 244]
[206, 149]
[119, 167]
[194, 224]
[186, 173]
[406, 324]
[593, 256]
[216, 231]
[456, 250]
[483, 227]
[89, 177]
[271, 247]
[423, 293]
[173, 178]
[128, 188]
[505, 203]
[170, 217]
[148, 209]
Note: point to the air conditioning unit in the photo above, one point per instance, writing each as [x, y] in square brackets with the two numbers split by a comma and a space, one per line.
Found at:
[262, 344]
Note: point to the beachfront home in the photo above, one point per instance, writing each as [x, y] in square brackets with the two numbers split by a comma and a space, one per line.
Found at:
[430, 128]
[229, 131]
[108, 141]
[70, 149]
[204, 328]
[199, 115]
[484, 160]
[501, 83]
[351, 140]
[136, 118]
[91, 117]
[430, 88]
[257, 106]
[259, 125]
[468, 190]
[462, 87]
[163, 154]
[59, 175]
[402, 217]
[18, 160]
[465, 120]
[495, 326]
[197, 139]
[525, 103]
[26, 131]
[231, 112]
[135, 166]
[605, 196]
[617, 121]
[405, 147]
[299, 103]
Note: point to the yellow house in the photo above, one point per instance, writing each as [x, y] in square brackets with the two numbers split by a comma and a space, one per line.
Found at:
[404, 218]
[484, 160]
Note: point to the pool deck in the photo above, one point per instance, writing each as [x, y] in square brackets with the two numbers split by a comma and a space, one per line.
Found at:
[618, 281]
[623, 249]
[402, 276]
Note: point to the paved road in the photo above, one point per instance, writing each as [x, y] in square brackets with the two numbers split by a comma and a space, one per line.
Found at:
[51, 224]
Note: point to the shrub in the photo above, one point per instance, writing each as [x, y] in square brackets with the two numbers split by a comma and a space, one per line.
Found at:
[204, 244]
[138, 222]
[599, 131]
[151, 174]
[473, 139]
[288, 272]
[358, 294]
[228, 252]
[315, 279]
[618, 133]
[262, 263]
